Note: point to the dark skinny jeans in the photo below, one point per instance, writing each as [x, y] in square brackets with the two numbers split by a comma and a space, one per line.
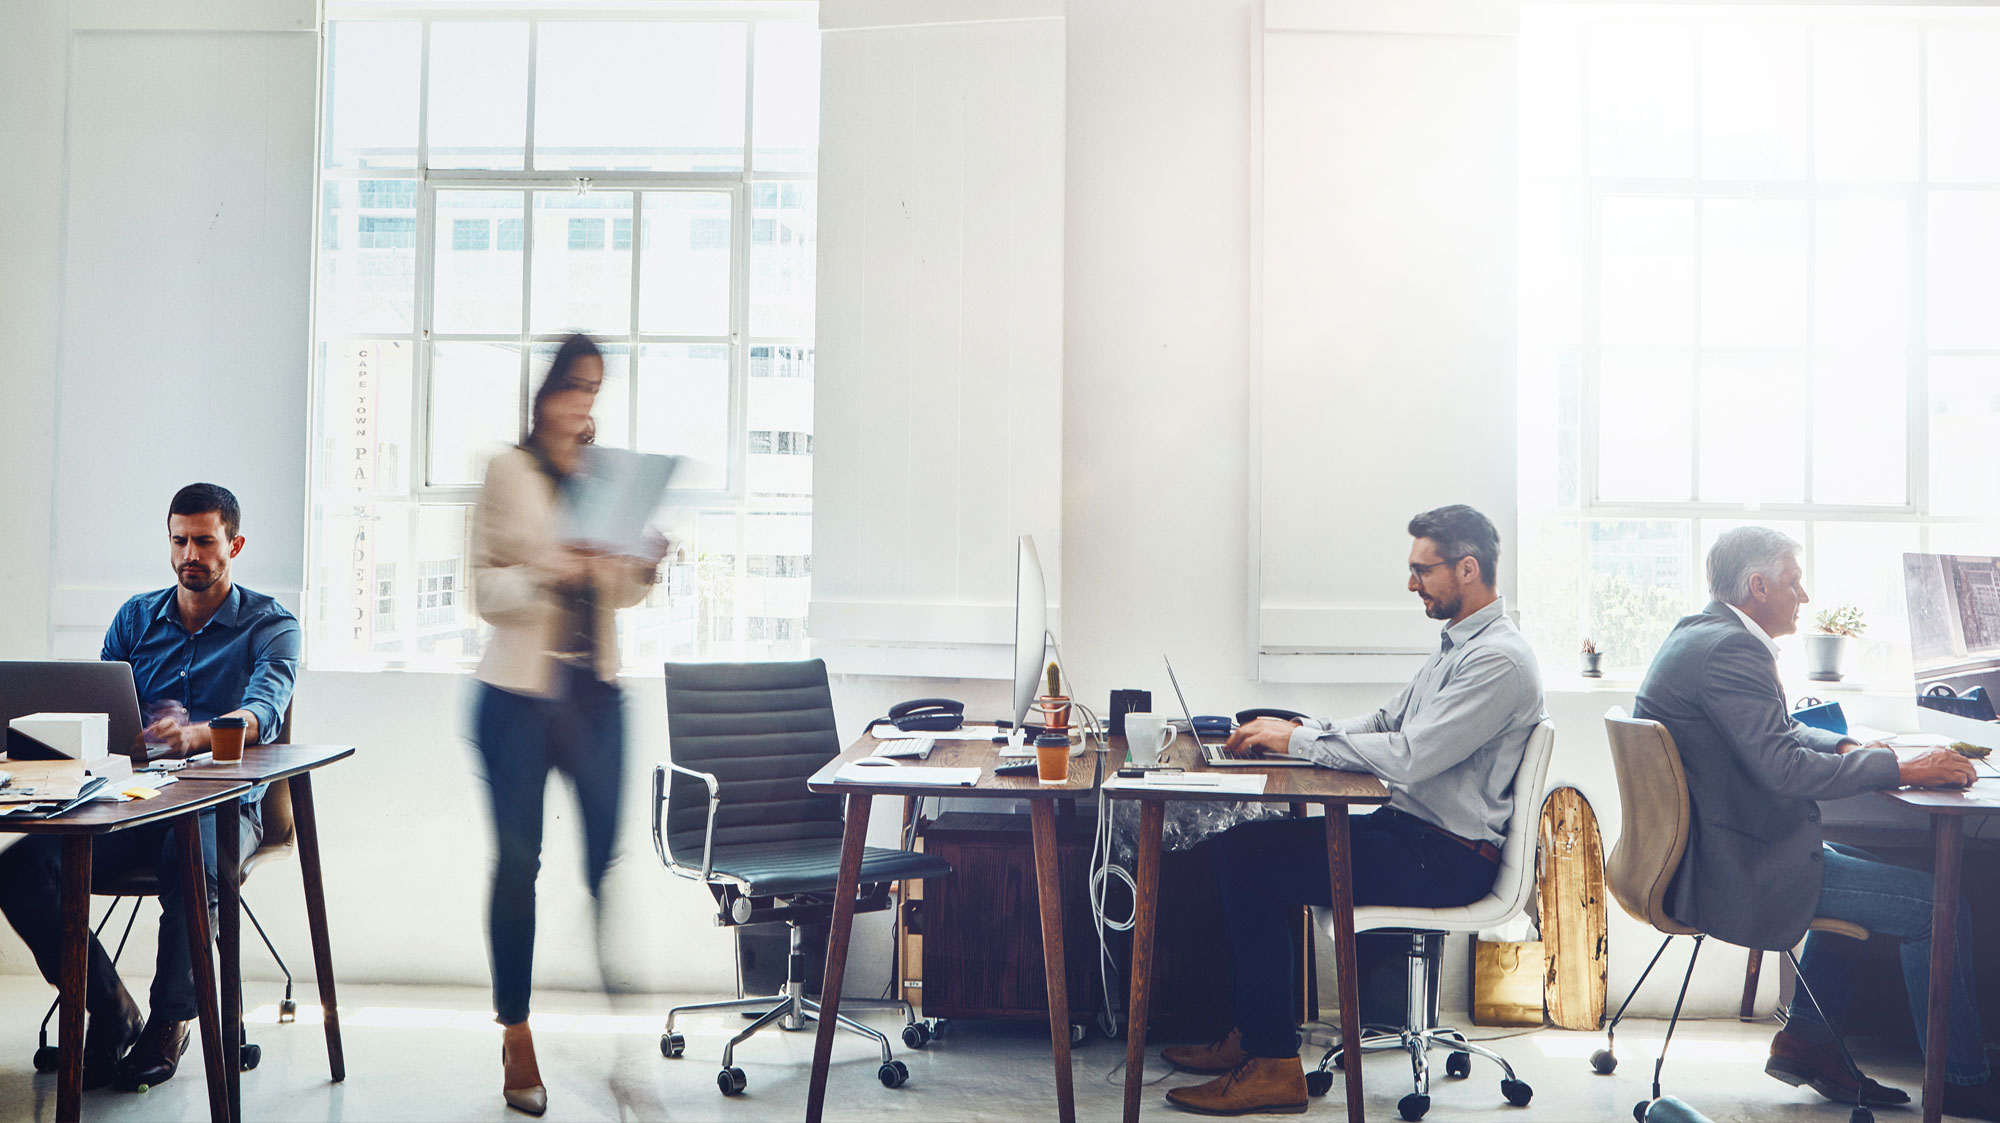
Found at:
[581, 733]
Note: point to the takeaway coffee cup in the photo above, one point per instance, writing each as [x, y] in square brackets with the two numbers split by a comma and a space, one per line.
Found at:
[1052, 758]
[225, 739]
[1146, 737]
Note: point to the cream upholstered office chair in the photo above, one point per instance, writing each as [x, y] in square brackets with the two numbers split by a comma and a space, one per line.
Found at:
[280, 837]
[1420, 1031]
[1654, 814]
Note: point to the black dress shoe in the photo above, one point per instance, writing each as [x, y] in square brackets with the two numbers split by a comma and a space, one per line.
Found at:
[110, 1034]
[155, 1056]
[1796, 1060]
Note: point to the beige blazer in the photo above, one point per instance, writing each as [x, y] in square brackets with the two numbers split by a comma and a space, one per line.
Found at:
[513, 540]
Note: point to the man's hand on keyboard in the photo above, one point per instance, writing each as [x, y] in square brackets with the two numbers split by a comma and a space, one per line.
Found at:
[1259, 736]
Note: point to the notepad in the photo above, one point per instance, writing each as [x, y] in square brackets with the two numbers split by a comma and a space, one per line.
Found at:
[882, 770]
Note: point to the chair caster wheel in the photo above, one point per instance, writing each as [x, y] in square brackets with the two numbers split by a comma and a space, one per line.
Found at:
[288, 1012]
[1340, 1058]
[1318, 1082]
[249, 1056]
[1517, 1092]
[47, 1059]
[1413, 1106]
[916, 1036]
[672, 1045]
[731, 1081]
[1639, 1111]
[1604, 1062]
[893, 1074]
[1861, 1115]
[1458, 1064]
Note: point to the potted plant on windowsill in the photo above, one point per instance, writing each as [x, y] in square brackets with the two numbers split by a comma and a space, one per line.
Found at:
[1826, 644]
[1589, 659]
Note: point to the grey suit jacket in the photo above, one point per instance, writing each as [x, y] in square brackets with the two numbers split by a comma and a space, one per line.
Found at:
[1753, 868]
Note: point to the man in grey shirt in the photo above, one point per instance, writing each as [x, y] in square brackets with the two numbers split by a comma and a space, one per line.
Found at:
[1447, 747]
[1756, 870]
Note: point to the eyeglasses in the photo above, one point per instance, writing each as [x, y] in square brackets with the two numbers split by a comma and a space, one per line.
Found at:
[1418, 571]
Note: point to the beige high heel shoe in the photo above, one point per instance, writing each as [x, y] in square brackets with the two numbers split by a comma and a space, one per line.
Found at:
[528, 1098]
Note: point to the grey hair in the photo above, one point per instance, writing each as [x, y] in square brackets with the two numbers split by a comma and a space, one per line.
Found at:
[1743, 552]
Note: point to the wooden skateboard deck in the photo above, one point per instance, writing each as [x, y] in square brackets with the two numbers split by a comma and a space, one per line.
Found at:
[1569, 884]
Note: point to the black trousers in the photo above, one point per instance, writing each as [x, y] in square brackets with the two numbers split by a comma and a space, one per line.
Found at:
[1269, 867]
[31, 898]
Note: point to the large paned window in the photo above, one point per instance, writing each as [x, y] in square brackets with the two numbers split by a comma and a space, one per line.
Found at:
[494, 181]
[1760, 263]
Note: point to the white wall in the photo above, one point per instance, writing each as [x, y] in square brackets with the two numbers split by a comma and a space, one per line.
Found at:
[1156, 490]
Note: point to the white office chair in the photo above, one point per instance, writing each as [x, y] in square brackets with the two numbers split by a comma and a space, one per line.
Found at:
[1420, 1031]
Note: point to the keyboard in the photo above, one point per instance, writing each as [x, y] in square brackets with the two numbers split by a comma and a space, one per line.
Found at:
[906, 748]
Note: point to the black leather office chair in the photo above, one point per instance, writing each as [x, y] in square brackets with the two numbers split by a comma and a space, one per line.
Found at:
[731, 810]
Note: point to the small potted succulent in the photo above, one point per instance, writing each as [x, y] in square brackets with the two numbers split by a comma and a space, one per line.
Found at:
[1826, 644]
[1590, 659]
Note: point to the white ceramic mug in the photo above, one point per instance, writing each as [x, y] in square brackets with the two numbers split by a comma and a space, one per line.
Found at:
[1147, 736]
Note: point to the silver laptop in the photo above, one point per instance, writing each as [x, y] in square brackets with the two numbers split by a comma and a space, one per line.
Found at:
[1212, 751]
[74, 687]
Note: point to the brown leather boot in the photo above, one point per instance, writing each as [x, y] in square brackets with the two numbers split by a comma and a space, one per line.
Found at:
[1259, 1085]
[1214, 1058]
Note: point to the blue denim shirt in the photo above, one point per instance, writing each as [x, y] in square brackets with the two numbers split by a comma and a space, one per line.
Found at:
[245, 658]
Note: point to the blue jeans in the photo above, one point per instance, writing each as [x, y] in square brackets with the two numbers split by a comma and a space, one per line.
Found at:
[31, 896]
[581, 733]
[1891, 901]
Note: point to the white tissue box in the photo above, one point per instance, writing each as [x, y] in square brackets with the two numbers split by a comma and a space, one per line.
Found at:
[76, 736]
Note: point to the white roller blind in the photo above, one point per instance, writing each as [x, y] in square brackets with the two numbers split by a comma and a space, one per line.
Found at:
[1385, 186]
[938, 409]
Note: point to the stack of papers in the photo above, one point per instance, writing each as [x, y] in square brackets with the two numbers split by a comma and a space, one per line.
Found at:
[881, 770]
[1229, 783]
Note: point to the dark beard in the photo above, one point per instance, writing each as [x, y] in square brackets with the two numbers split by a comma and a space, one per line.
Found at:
[192, 586]
[1442, 609]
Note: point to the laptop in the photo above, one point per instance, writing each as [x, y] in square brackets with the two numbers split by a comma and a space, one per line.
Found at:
[74, 687]
[1212, 750]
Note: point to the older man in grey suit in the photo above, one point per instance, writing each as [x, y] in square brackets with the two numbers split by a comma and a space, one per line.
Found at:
[1756, 869]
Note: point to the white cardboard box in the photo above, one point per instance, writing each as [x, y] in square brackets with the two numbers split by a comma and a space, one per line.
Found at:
[77, 736]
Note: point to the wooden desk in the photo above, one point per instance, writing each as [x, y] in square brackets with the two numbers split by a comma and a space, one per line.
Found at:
[1332, 790]
[182, 803]
[1085, 772]
[265, 764]
[1948, 811]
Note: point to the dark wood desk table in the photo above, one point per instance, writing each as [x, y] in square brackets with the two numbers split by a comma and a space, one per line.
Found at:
[267, 764]
[1948, 811]
[78, 829]
[1084, 775]
[1335, 791]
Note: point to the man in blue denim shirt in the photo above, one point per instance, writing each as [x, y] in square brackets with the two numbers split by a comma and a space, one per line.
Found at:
[200, 649]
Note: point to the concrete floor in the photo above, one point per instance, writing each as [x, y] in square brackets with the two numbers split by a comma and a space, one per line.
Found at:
[433, 1054]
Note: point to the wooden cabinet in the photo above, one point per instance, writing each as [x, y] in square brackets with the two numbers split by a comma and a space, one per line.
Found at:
[982, 936]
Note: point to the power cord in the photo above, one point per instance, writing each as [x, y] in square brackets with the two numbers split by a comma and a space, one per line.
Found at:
[1102, 868]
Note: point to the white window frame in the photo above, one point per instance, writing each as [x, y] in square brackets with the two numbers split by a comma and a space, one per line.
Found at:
[1914, 509]
[738, 184]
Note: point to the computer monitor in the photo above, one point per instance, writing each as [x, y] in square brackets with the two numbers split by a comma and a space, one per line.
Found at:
[1031, 627]
[1954, 609]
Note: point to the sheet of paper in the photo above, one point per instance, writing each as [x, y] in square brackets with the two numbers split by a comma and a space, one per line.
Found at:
[895, 772]
[1226, 783]
[42, 781]
[616, 495]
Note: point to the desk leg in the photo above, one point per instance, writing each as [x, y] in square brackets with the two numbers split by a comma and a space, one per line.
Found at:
[305, 822]
[1948, 831]
[1145, 913]
[1341, 867]
[75, 974]
[200, 954]
[229, 943]
[1048, 886]
[852, 839]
